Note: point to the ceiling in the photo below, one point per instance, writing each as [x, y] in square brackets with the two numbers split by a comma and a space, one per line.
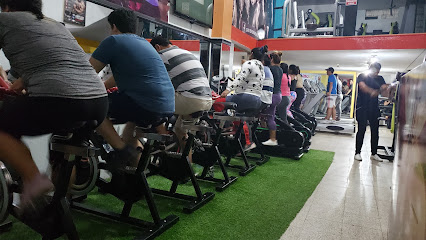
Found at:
[356, 60]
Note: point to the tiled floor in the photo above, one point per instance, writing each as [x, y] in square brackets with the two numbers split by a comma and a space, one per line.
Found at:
[353, 199]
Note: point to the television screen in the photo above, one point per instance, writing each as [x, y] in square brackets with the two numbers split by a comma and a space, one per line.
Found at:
[157, 9]
[199, 11]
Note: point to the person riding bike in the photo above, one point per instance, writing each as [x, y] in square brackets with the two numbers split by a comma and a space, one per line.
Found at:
[61, 87]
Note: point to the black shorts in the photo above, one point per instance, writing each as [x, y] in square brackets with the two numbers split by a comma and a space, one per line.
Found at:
[32, 116]
[124, 109]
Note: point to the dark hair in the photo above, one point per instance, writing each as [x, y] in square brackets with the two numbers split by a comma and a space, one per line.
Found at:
[266, 60]
[298, 69]
[259, 52]
[276, 57]
[335, 74]
[160, 40]
[292, 69]
[33, 6]
[345, 83]
[284, 67]
[125, 20]
[375, 65]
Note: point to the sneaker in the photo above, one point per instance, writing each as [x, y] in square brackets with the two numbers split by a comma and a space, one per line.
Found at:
[270, 143]
[210, 173]
[119, 159]
[33, 197]
[358, 157]
[376, 157]
[250, 147]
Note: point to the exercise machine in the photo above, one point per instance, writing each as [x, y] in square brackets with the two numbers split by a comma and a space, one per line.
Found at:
[128, 186]
[54, 220]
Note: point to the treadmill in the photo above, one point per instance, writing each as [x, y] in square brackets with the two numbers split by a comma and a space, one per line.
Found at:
[312, 103]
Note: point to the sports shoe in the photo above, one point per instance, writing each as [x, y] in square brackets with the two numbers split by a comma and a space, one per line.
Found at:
[270, 143]
[250, 147]
[376, 157]
[119, 159]
[33, 197]
[210, 173]
[358, 157]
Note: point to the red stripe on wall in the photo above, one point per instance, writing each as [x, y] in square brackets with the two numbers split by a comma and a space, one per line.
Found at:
[242, 38]
[189, 45]
[397, 41]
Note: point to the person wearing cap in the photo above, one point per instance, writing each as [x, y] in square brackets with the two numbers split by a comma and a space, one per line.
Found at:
[367, 109]
[331, 94]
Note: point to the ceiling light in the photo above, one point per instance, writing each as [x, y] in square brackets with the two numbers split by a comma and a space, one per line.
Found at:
[261, 34]
[373, 59]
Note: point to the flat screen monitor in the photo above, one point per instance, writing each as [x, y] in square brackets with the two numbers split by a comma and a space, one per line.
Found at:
[197, 11]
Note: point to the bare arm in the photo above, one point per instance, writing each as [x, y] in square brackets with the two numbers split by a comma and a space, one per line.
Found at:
[96, 64]
[385, 90]
[110, 83]
[4, 75]
[366, 89]
[330, 86]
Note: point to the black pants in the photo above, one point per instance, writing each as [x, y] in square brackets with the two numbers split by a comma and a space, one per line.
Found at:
[32, 116]
[300, 95]
[362, 116]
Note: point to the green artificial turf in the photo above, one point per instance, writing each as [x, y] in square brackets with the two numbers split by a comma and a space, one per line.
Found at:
[258, 206]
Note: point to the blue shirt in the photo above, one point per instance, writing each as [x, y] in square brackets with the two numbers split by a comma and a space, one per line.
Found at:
[332, 79]
[138, 71]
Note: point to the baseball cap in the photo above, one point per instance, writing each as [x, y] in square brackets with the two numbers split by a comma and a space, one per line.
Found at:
[330, 69]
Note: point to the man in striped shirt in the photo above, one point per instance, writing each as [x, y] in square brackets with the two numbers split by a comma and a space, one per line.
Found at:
[192, 89]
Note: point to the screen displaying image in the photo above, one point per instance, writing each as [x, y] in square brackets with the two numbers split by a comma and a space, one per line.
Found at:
[75, 12]
[157, 9]
[253, 17]
[199, 10]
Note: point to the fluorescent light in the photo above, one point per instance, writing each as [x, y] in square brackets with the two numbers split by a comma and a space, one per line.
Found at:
[373, 59]
[261, 34]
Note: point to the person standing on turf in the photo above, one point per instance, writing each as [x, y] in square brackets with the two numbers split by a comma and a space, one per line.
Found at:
[367, 109]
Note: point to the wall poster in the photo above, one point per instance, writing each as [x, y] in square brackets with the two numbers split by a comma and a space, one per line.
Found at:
[253, 17]
[75, 12]
[157, 9]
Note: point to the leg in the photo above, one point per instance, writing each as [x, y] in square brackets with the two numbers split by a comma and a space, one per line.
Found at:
[334, 113]
[374, 127]
[362, 125]
[14, 153]
[107, 131]
[329, 113]
[247, 134]
[338, 108]
[182, 135]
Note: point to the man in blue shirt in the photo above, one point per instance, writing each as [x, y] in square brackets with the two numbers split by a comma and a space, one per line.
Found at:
[145, 95]
[331, 94]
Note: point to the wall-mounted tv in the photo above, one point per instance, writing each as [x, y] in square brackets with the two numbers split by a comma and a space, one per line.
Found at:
[197, 11]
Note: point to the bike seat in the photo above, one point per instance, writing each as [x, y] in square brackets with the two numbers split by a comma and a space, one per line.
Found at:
[67, 131]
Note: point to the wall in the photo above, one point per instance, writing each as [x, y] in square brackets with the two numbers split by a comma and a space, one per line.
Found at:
[379, 24]
[379, 4]
[55, 9]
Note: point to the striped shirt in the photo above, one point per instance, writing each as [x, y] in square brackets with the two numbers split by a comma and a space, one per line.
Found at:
[186, 72]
